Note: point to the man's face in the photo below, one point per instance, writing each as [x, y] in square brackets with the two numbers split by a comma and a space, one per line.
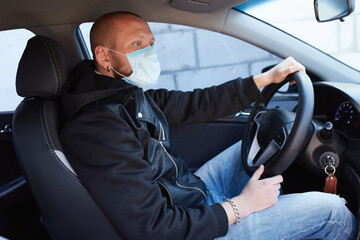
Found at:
[131, 34]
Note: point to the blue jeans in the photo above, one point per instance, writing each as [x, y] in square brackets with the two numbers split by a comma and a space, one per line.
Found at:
[311, 215]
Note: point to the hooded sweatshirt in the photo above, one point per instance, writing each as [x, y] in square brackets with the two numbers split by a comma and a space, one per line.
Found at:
[113, 135]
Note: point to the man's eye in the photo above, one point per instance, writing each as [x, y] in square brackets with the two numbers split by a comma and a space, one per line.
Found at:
[137, 44]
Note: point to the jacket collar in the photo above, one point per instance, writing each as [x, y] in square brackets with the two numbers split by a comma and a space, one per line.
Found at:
[86, 86]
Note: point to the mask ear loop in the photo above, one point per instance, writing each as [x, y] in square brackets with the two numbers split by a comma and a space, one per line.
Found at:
[115, 51]
[118, 73]
[111, 67]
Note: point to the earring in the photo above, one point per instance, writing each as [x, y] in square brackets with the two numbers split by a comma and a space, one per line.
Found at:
[108, 69]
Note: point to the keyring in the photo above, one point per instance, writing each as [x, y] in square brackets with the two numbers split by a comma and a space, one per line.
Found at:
[332, 168]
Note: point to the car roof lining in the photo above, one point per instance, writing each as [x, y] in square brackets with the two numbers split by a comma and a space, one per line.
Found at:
[37, 13]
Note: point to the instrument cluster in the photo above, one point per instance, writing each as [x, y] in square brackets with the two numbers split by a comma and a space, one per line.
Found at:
[339, 105]
[347, 119]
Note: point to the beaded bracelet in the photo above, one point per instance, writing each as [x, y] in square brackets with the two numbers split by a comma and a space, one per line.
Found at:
[236, 210]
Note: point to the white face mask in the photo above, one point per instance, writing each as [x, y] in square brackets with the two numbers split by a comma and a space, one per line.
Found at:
[145, 67]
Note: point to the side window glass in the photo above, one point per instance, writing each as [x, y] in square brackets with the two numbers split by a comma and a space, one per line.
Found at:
[12, 45]
[195, 58]
[85, 32]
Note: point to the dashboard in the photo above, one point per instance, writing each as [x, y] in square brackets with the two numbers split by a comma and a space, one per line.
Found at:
[339, 103]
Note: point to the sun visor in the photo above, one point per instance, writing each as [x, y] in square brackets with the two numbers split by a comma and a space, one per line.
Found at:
[204, 6]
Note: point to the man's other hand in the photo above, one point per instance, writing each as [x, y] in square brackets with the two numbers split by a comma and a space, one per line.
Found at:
[256, 196]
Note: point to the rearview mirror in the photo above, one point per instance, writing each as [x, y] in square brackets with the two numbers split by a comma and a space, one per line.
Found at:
[328, 10]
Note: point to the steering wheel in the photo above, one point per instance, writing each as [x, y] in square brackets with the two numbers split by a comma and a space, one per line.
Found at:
[275, 137]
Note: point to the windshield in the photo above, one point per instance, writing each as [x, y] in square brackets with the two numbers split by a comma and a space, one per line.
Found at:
[341, 40]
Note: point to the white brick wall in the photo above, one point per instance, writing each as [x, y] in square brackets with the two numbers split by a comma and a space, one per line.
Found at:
[216, 49]
[176, 49]
[193, 58]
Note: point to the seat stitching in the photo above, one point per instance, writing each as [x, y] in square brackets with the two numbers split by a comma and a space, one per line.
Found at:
[46, 125]
[42, 115]
[48, 49]
[58, 69]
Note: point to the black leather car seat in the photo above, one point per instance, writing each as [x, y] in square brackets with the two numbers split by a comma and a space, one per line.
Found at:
[68, 210]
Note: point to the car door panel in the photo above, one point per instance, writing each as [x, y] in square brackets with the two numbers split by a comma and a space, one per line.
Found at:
[10, 170]
[198, 143]
[13, 189]
[17, 208]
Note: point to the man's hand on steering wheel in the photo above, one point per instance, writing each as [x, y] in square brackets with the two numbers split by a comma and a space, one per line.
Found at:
[278, 73]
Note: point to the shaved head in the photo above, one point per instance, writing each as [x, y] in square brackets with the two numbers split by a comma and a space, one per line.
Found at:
[113, 36]
[103, 31]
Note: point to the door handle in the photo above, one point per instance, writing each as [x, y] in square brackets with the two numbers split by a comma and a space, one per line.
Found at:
[6, 129]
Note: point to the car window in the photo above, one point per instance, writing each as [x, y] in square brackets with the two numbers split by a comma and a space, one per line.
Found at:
[195, 58]
[12, 45]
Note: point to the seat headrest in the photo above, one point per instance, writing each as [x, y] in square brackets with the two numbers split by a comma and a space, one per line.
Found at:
[43, 68]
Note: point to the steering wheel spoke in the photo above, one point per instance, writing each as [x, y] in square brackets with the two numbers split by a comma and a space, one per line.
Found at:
[255, 147]
[281, 137]
[267, 154]
[254, 150]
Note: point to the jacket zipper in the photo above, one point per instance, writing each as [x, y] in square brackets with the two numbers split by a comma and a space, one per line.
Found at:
[167, 190]
[176, 169]
[162, 132]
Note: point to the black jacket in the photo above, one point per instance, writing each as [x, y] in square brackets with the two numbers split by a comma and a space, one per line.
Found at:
[116, 137]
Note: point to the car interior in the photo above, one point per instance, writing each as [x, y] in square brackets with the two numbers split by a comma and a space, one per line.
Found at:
[41, 196]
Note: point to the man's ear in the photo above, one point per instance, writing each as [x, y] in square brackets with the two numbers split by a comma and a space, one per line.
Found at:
[102, 58]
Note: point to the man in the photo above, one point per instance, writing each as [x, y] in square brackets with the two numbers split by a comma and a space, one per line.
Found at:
[116, 137]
